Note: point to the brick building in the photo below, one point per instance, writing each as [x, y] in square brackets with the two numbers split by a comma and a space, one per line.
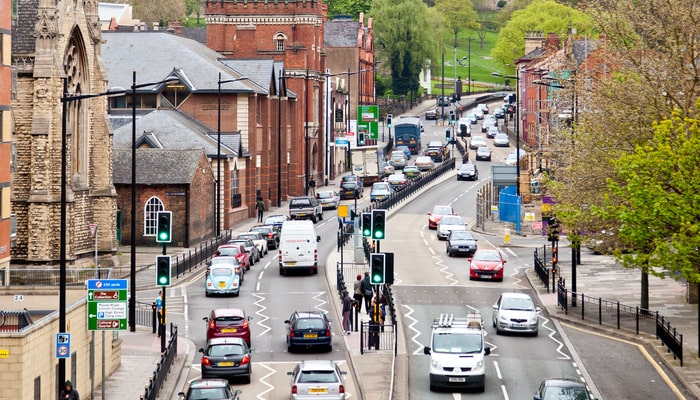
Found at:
[5, 133]
[290, 32]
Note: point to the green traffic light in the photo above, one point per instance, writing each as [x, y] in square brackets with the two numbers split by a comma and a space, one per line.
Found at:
[378, 235]
[163, 280]
[376, 278]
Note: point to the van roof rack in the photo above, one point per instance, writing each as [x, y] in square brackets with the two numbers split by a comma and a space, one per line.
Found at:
[473, 320]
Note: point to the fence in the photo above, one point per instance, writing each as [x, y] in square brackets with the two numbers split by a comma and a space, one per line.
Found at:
[52, 276]
[155, 382]
[378, 337]
[612, 313]
[146, 315]
[541, 266]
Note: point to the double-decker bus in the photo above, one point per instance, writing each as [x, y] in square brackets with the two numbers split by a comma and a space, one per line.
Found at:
[407, 132]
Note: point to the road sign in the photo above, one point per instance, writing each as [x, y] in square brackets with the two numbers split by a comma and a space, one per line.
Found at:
[63, 345]
[107, 304]
[368, 121]
[93, 229]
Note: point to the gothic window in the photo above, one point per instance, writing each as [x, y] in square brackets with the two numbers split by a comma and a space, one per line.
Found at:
[150, 216]
[280, 38]
[77, 82]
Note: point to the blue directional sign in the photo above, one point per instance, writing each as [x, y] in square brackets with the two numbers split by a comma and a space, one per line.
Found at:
[101, 284]
[63, 345]
[106, 305]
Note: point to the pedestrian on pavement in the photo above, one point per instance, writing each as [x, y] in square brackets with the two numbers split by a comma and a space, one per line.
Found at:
[260, 206]
[375, 322]
[347, 307]
[357, 293]
[68, 392]
[367, 291]
[312, 187]
[159, 309]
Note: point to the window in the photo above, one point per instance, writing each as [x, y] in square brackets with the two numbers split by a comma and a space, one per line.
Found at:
[280, 44]
[279, 39]
[236, 199]
[150, 216]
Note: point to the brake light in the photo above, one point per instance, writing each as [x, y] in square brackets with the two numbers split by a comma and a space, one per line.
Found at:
[269, 235]
[315, 255]
[245, 360]
[245, 324]
[328, 332]
[205, 361]
[212, 324]
[291, 333]
[341, 389]
[294, 389]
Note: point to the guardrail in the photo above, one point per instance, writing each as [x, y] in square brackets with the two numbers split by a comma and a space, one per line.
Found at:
[52, 276]
[612, 313]
[378, 337]
[541, 266]
[155, 382]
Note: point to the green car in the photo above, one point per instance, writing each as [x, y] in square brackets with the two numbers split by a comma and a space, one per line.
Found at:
[411, 171]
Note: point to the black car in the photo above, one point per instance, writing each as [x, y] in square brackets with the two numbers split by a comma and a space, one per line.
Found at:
[308, 329]
[461, 242]
[468, 172]
[271, 234]
[227, 358]
[562, 389]
[210, 389]
[351, 187]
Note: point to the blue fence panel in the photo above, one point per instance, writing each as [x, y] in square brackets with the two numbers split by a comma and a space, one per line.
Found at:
[509, 206]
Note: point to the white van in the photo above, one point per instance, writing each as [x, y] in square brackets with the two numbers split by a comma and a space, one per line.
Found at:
[298, 247]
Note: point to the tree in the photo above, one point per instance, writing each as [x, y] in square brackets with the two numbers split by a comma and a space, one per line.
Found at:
[540, 16]
[348, 7]
[457, 15]
[161, 11]
[404, 33]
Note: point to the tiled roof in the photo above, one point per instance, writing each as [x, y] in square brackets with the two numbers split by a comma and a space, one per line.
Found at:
[340, 33]
[157, 166]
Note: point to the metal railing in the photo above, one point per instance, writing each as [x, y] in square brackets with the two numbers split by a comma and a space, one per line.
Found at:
[52, 276]
[146, 315]
[378, 337]
[541, 266]
[199, 254]
[155, 382]
[620, 316]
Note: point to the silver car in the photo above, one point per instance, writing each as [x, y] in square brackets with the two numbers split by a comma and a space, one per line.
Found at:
[515, 312]
[449, 223]
[317, 379]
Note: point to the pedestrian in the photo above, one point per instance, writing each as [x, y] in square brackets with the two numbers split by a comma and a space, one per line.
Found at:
[357, 292]
[347, 307]
[159, 309]
[312, 187]
[375, 322]
[260, 206]
[367, 291]
[69, 393]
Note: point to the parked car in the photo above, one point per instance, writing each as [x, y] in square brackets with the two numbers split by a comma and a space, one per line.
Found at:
[234, 250]
[227, 358]
[476, 142]
[309, 329]
[305, 207]
[411, 171]
[250, 248]
[270, 233]
[468, 172]
[461, 242]
[501, 140]
[329, 199]
[257, 238]
[486, 264]
[435, 216]
[276, 221]
[406, 151]
[380, 190]
[224, 276]
[219, 389]
[397, 181]
[483, 153]
[228, 322]
[515, 312]
[424, 163]
[562, 389]
[318, 380]
[449, 223]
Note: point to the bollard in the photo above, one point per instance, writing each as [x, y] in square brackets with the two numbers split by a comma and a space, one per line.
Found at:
[506, 236]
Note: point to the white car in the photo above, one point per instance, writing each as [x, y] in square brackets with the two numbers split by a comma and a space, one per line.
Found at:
[449, 223]
[501, 140]
[476, 142]
[484, 108]
[515, 312]
[257, 238]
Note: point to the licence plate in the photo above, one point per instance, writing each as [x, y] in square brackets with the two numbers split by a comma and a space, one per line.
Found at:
[229, 330]
[226, 364]
[222, 284]
[318, 390]
[486, 276]
[290, 263]
[301, 214]
[517, 325]
[310, 336]
[457, 379]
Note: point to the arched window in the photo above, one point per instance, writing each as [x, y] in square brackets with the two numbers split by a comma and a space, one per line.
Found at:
[150, 216]
[280, 38]
[76, 69]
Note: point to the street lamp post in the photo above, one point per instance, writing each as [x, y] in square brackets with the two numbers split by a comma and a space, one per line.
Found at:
[65, 99]
[132, 281]
[218, 148]
[279, 140]
[517, 127]
[442, 95]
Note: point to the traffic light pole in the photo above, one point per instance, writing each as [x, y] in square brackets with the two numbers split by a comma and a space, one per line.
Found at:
[161, 324]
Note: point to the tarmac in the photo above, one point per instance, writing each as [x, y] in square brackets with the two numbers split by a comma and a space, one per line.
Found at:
[383, 376]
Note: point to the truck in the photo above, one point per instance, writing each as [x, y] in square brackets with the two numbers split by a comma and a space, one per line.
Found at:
[407, 132]
[368, 164]
[457, 352]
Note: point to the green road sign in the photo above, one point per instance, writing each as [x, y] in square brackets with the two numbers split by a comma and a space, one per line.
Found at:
[107, 304]
[368, 121]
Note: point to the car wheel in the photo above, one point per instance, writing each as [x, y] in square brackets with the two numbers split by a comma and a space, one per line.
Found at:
[281, 271]
[290, 349]
[330, 347]
[206, 294]
[313, 219]
[535, 333]
[246, 379]
[265, 250]
[321, 217]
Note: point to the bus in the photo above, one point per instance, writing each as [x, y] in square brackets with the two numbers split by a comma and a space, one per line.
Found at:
[407, 132]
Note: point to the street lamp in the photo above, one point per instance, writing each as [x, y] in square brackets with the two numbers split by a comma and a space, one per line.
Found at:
[218, 149]
[517, 127]
[132, 281]
[65, 99]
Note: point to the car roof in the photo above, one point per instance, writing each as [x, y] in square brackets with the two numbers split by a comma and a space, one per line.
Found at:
[224, 260]
[309, 314]
[208, 383]
[317, 364]
[516, 295]
[225, 340]
[228, 312]
[564, 382]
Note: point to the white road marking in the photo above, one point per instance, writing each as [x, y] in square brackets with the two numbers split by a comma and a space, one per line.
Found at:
[444, 269]
[551, 335]
[321, 301]
[505, 392]
[263, 317]
[498, 370]
[414, 321]
[263, 380]
[186, 310]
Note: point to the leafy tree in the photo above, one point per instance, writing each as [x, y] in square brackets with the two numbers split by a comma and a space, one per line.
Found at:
[161, 11]
[348, 7]
[457, 15]
[404, 32]
[543, 16]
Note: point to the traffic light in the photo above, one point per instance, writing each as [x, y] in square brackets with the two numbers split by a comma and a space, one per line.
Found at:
[453, 118]
[378, 224]
[555, 258]
[448, 135]
[164, 233]
[389, 268]
[366, 224]
[361, 139]
[388, 120]
[377, 276]
[163, 270]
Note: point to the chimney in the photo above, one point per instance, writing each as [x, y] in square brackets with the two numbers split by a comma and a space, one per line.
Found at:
[533, 40]
[552, 43]
[244, 42]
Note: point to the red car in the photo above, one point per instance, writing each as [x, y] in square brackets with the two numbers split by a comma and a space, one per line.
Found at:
[234, 250]
[486, 264]
[435, 216]
[228, 322]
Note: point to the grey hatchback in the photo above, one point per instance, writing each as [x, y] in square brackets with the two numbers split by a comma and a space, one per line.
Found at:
[227, 357]
[461, 242]
[317, 379]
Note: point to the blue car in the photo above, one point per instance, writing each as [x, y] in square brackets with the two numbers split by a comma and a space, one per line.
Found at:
[308, 329]
[223, 278]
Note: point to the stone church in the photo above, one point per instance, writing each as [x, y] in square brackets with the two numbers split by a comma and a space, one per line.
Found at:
[55, 43]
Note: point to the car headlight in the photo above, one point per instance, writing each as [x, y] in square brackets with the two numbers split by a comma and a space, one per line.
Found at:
[480, 364]
[503, 318]
[435, 364]
[533, 319]
[498, 267]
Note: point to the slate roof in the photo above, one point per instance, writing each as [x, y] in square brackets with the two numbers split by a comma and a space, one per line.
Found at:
[340, 32]
[156, 56]
[582, 49]
[23, 40]
[157, 166]
[174, 130]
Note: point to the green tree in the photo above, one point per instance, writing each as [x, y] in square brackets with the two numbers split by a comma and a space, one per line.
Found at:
[404, 32]
[161, 11]
[457, 15]
[348, 7]
[539, 16]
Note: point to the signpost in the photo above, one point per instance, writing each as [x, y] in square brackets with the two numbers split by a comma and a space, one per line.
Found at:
[107, 304]
[63, 345]
[368, 121]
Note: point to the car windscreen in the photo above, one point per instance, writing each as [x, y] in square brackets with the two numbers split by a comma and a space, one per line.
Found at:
[458, 343]
[207, 394]
[315, 376]
[487, 256]
[228, 251]
[348, 185]
[309, 323]
[300, 203]
[522, 304]
[461, 235]
[325, 195]
[221, 272]
[451, 220]
[221, 350]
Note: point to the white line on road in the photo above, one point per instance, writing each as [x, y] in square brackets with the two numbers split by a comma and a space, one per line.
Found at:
[264, 382]
[551, 335]
[417, 332]
[510, 251]
[321, 302]
[505, 392]
[264, 317]
[186, 310]
[498, 370]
